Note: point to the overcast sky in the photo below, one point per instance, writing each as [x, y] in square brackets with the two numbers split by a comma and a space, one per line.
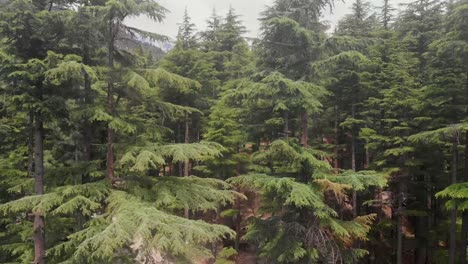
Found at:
[200, 10]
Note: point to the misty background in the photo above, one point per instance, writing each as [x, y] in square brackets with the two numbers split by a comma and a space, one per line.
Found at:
[249, 10]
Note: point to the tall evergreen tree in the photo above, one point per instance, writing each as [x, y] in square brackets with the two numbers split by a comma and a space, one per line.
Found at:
[186, 38]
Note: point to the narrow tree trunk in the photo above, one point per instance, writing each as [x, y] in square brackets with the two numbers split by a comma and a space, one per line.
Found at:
[421, 234]
[464, 230]
[187, 162]
[87, 100]
[110, 137]
[453, 213]
[31, 145]
[399, 239]
[39, 224]
[110, 106]
[304, 129]
[286, 124]
[198, 125]
[464, 237]
[399, 229]
[353, 159]
[179, 169]
[337, 140]
[186, 141]
[353, 167]
[238, 220]
[429, 218]
[367, 158]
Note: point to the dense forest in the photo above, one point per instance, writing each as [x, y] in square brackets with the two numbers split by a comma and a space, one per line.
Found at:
[304, 145]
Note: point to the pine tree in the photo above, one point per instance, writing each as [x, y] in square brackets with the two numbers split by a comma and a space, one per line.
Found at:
[386, 14]
[359, 23]
[230, 31]
[211, 36]
[186, 38]
[293, 229]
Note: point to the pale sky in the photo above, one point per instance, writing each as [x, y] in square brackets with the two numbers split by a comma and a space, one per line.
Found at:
[200, 11]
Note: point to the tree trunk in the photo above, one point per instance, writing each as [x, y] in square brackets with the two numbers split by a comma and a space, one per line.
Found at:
[421, 235]
[110, 136]
[353, 167]
[453, 213]
[198, 127]
[337, 140]
[86, 127]
[39, 224]
[368, 159]
[399, 229]
[31, 145]
[399, 239]
[464, 237]
[464, 230]
[430, 220]
[110, 106]
[304, 129]
[178, 168]
[353, 159]
[187, 162]
[286, 124]
[186, 141]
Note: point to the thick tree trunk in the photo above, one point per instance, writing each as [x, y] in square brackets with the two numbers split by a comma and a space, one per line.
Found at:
[39, 224]
[304, 129]
[453, 213]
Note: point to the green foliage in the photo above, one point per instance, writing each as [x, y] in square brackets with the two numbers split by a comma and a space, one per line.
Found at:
[360, 180]
[456, 195]
[295, 229]
[284, 192]
[132, 222]
[226, 256]
[64, 200]
[324, 130]
[198, 194]
[449, 133]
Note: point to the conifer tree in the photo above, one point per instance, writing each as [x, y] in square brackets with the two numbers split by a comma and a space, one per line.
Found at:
[230, 31]
[210, 36]
[359, 23]
[297, 147]
[386, 14]
[186, 38]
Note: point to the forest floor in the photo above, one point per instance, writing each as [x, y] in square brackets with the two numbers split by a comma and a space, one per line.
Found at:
[246, 257]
